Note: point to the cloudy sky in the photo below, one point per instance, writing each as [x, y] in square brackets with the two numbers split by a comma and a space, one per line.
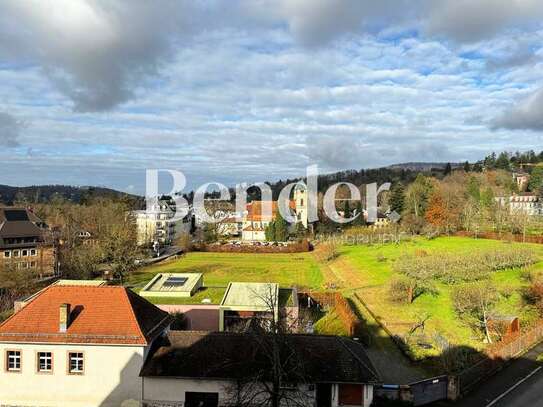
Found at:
[95, 92]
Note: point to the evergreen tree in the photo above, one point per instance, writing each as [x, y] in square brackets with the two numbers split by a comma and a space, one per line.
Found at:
[536, 179]
[474, 189]
[396, 200]
[347, 210]
[448, 169]
[487, 197]
[502, 162]
[281, 229]
[270, 232]
[359, 211]
[467, 166]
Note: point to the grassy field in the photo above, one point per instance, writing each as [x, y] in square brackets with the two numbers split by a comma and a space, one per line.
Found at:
[372, 269]
[299, 269]
[364, 270]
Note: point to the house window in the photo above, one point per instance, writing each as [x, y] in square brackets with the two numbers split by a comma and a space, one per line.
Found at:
[32, 264]
[75, 360]
[7, 254]
[13, 360]
[24, 253]
[15, 253]
[45, 362]
[33, 252]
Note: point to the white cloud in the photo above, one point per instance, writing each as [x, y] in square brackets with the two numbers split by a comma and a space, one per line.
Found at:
[9, 130]
[471, 21]
[527, 115]
[97, 53]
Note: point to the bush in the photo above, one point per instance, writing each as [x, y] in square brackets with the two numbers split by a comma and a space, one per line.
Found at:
[398, 289]
[329, 250]
[533, 295]
[346, 314]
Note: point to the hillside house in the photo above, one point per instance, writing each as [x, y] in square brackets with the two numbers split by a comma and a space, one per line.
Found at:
[525, 203]
[26, 243]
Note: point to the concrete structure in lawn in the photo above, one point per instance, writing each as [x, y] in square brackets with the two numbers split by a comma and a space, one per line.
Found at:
[243, 302]
[171, 285]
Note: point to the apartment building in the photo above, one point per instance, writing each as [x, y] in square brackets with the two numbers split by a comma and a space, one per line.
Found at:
[26, 243]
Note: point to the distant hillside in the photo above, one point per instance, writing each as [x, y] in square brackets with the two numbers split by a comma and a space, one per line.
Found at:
[44, 193]
[422, 166]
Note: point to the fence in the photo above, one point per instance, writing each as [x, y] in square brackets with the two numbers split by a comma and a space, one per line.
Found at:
[298, 247]
[510, 237]
[497, 355]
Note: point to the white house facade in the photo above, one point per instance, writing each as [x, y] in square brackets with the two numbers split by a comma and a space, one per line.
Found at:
[78, 346]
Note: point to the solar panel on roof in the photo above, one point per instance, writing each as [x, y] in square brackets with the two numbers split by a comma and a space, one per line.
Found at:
[14, 215]
[175, 281]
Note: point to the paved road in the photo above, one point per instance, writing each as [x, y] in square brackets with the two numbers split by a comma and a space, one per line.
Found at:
[527, 394]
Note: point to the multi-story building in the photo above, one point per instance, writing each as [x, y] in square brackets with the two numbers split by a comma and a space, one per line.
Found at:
[85, 344]
[26, 243]
[161, 223]
[525, 203]
[78, 346]
[256, 219]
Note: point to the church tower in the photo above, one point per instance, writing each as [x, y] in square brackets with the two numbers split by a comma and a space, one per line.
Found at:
[300, 199]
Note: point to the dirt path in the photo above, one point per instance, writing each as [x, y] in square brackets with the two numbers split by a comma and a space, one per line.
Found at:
[393, 366]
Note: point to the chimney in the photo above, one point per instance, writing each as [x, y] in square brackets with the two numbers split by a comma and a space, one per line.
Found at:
[64, 319]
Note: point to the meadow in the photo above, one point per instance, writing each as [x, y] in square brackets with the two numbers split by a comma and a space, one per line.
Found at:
[297, 269]
[364, 270]
[374, 270]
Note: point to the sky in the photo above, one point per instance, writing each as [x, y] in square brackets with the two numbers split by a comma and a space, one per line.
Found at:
[96, 92]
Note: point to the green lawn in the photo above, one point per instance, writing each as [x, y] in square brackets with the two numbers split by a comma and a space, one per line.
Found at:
[330, 324]
[298, 269]
[374, 267]
[214, 294]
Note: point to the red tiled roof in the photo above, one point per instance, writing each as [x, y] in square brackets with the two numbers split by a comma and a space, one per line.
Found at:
[99, 315]
[255, 208]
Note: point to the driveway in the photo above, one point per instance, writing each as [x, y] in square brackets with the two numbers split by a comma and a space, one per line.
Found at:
[520, 384]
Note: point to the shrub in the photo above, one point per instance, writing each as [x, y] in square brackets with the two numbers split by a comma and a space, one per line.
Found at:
[398, 288]
[329, 250]
[346, 314]
[533, 295]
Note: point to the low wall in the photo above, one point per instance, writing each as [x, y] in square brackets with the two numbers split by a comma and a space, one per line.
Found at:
[301, 247]
[198, 317]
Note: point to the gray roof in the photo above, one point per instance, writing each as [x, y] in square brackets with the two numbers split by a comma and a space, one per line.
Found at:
[230, 356]
[19, 223]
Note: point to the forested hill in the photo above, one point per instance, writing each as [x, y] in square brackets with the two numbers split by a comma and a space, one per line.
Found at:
[44, 193]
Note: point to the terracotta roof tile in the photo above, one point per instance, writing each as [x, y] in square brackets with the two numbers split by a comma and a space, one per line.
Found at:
[255, 209]
[101, 315]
